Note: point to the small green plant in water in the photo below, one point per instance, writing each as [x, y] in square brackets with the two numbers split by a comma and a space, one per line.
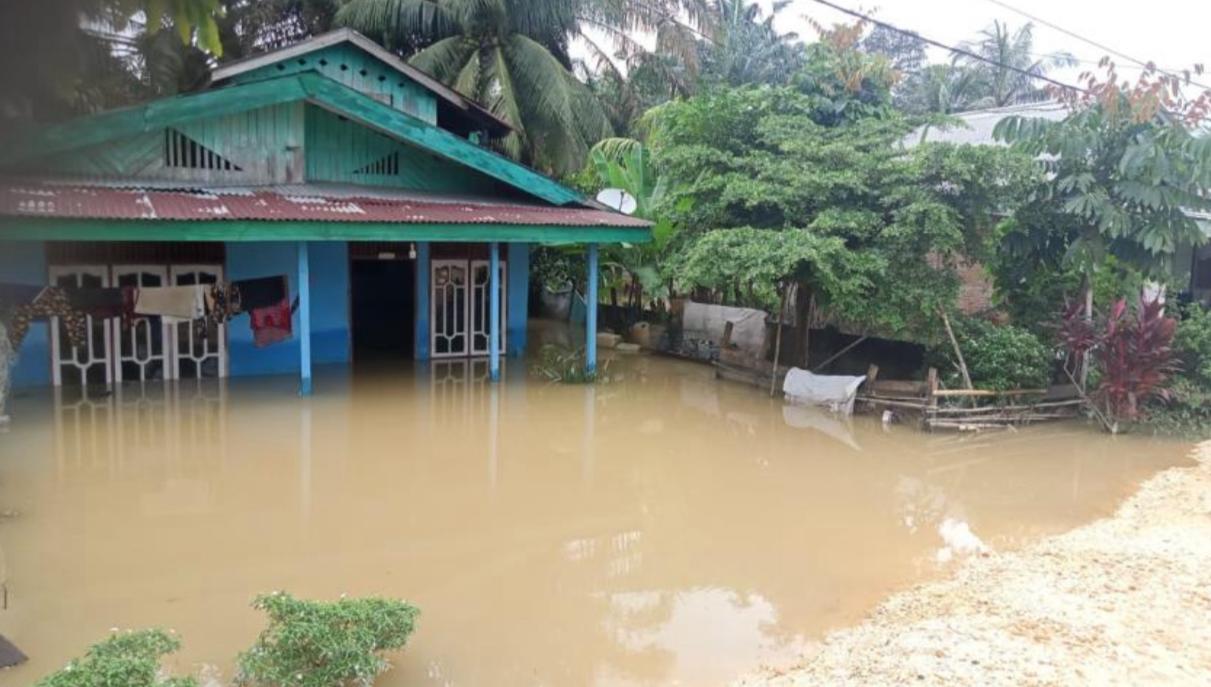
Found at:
[563, 364]
[125, 659]
[324, 644]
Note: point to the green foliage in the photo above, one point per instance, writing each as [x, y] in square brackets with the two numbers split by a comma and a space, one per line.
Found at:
[564, 365]
[998, 357]
[125, 659]
[823, 162]
[324, 644]
[750, 264]
[1117, 186]
[511, 55]
[1192, 344]
[1187, 413]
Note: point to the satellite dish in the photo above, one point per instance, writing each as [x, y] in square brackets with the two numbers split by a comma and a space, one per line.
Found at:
[618, 199]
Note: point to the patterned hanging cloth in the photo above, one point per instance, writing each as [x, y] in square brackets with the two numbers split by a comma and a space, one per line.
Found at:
[51, 302]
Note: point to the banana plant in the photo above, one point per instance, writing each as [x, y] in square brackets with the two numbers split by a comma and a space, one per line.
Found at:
[626, 164]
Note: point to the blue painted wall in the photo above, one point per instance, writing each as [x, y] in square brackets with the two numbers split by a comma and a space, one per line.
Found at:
[329, 306]
[23, 262]
[518, 295]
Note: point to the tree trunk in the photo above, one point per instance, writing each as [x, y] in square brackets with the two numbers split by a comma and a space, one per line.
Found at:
[958, 351]
[773, 375]
[1087, 294]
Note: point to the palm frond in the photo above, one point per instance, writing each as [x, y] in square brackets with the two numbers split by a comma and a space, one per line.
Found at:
[445, 59]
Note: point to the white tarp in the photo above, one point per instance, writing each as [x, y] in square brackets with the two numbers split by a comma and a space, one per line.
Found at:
[707, 321]
[835, 392]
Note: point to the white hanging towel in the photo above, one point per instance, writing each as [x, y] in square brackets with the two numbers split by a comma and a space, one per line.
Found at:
[835, 392]
[173, 302]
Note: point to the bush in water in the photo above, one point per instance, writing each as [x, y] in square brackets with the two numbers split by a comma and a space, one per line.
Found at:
[563, 364]
[324, 644]
[125, 659]
[998, 357]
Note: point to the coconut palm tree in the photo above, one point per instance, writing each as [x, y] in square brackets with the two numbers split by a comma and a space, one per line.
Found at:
[1004, 82]
[512, 55]
[746, 48]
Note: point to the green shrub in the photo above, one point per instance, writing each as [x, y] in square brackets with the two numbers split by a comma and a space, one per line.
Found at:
[1192, 344]
[324, 644]
[125, 659]
[999, 357]
[1187, 413]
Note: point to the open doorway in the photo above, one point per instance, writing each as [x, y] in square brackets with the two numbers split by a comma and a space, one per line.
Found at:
[384, 308]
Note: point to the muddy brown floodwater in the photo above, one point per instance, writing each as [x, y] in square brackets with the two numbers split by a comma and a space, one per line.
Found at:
[662, 528]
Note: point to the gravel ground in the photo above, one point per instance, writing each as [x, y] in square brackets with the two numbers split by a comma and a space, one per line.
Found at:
[1122, 601]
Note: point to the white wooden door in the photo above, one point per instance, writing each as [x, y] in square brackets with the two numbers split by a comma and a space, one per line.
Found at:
[91, 361]
[480, 309]
[194, 356]
[142, 352]
[448, 308]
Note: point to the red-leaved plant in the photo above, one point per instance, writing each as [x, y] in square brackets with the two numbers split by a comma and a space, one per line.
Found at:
[1133, 351]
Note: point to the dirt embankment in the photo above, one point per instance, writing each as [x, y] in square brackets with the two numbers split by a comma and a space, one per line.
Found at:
[1124, 601]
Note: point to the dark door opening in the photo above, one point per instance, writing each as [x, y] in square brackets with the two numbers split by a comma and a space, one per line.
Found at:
[384, 309]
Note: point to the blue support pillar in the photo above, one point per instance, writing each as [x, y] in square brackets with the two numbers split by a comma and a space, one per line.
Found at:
[422, 300]
[304, 320]
[590, 316]
[494, 313]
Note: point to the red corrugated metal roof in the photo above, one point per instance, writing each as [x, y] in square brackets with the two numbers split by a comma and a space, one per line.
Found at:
[296, 203]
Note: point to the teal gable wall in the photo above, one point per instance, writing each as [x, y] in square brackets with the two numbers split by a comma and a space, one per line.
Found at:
[347, 64]
[340, 150]
[263, 145]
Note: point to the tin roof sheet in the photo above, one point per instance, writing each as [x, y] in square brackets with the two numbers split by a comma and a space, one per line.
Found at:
[300, 202]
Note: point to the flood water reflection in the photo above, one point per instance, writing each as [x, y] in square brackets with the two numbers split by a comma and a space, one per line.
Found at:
[662, 528]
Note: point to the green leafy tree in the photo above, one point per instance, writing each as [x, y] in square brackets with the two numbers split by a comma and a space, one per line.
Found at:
[60, 54]
[124, 659]
[822, 162]
[1124, 173]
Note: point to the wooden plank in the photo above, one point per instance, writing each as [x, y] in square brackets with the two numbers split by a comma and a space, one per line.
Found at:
[45, 229]
[987, 393]
[900, 386]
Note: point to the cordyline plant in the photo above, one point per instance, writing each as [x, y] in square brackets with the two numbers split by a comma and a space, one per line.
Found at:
[1132, 349]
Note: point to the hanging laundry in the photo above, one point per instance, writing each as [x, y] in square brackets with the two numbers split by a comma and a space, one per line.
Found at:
[270, 324]
[51, 302]
[180, 303]
[263, 292]
[100, 303]
[13, 296]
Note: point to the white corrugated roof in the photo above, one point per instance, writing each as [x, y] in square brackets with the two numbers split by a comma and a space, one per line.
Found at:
[975, 127]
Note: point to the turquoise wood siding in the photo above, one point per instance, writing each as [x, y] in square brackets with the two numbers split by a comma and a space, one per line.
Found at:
[344, 151]
[260, 146]
[348, 65]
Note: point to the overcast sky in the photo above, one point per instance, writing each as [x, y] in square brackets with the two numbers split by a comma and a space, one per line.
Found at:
[1175, 34]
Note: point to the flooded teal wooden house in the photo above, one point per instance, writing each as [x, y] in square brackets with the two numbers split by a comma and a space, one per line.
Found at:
[331, 161]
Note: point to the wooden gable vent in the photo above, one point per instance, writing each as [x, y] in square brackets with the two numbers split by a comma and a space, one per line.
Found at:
[388, 165]
[182, 152]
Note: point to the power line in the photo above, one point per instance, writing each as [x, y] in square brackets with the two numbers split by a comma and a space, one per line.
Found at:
[1090, 41]
[951, 48]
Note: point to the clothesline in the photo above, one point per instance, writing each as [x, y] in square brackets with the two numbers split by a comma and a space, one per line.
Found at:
[266, 300]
